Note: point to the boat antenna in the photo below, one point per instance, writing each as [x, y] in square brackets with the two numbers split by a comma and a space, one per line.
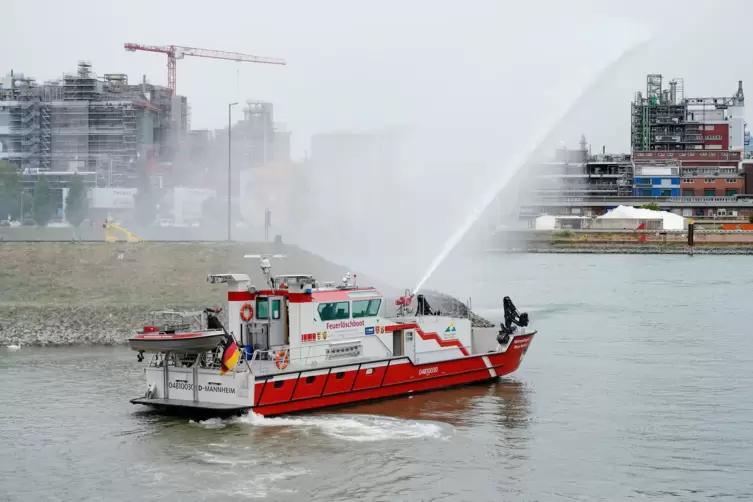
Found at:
[266, 266]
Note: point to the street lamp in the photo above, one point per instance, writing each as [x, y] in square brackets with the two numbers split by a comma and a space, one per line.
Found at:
[229, 161]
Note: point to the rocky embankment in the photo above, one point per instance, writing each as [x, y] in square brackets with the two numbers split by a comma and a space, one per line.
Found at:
[96, 293]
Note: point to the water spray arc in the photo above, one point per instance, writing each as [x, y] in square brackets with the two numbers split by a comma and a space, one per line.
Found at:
[520, 160]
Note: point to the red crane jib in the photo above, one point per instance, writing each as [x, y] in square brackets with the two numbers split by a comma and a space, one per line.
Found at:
[175, 52]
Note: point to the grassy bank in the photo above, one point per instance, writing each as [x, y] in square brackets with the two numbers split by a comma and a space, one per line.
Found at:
[149, 274]
[72, 293]
[69, 293]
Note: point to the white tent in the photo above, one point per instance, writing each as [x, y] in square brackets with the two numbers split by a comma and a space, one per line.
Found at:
[670, 221]
[545, 222]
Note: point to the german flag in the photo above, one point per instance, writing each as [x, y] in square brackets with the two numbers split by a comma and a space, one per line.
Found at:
[230, 354]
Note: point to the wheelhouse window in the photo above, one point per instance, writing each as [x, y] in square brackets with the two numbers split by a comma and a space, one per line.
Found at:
[334, 310]
[262, 308]
[366, 308]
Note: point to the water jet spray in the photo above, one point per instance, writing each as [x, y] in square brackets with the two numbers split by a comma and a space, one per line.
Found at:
[519, 161]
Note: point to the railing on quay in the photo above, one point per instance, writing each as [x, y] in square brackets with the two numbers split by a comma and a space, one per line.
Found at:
[729, 201]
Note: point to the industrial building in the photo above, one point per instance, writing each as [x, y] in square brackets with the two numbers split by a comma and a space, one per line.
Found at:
[256, 141]
[693, 174]
[665, 120]
[690, 147]
[88, 124]
[578, 173]
[687, 154]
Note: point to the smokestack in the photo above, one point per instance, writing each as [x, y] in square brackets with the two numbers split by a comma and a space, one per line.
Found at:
[604, 149]
[740, 95]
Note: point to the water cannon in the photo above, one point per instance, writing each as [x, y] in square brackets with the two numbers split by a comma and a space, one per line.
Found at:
[266, 265]
[512, 317]
[404, 302]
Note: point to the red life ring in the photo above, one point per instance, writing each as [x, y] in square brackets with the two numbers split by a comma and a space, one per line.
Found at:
[282, 359]
[247, 312]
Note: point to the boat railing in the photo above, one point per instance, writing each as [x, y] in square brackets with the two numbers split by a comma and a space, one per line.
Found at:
[170, 320]
[307, 357]
[263, 361]
[211, 360]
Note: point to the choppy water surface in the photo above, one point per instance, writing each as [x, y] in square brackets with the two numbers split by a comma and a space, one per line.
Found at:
[637, 387]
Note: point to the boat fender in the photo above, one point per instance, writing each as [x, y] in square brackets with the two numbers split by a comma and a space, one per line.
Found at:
[282, 359]
[247, 312]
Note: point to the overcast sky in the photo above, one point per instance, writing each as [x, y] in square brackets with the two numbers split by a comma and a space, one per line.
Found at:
[472, 65]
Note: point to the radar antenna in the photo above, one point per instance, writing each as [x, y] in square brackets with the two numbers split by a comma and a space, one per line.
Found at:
[266, 266]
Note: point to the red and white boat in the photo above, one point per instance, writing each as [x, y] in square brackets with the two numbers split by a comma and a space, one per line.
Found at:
[299, 345]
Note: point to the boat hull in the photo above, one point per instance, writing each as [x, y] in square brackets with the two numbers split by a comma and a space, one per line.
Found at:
[190, 409]
[179, 342]
[339, 386]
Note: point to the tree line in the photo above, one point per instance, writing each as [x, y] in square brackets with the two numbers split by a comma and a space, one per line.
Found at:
[17, 204]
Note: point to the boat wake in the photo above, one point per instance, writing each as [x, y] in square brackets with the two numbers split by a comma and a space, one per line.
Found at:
[356, 427]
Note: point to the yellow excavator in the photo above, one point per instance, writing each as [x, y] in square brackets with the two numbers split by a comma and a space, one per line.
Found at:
[110, 233]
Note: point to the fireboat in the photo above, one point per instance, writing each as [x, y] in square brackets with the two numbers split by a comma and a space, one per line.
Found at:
[299, 345]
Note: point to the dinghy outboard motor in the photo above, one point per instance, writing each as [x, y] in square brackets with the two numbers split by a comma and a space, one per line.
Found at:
[212, 320]
[512, 316]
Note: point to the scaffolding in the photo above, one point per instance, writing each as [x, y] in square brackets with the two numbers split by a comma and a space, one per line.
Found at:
[256, 133]
[25, 131]
[665, 120]
[45, 157]
[88, 124]
[582, 174]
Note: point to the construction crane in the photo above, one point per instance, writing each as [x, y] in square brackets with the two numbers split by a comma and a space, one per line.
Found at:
[176, 52]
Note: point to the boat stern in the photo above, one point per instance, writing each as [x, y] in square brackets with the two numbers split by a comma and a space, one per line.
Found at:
[189, 389]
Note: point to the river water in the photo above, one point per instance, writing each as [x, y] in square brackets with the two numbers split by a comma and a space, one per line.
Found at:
[638, 386]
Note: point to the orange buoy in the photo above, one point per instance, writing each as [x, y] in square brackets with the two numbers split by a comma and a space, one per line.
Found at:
[282, 359]
[247, 312]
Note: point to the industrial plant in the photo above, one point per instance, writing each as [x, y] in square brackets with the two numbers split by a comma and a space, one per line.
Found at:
[100, 126]
[109, 131]
[689, 155]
